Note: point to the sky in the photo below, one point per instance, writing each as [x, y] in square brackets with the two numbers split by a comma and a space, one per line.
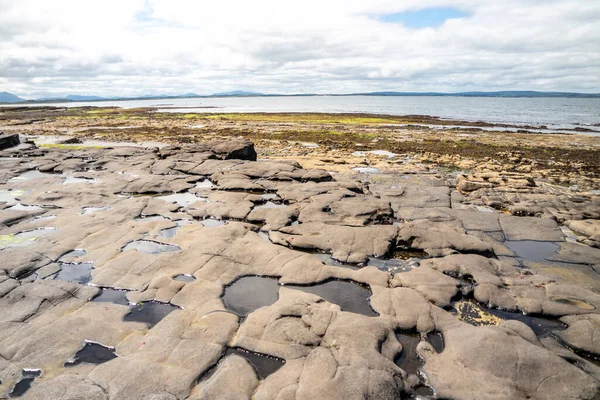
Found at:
[138, 47]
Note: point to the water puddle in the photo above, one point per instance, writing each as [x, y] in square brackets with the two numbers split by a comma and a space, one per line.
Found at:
[111, 295]
[90, 210]
[394, 265]
[383, 153]
[150, 247]
[264, 236]
[23, 385]
[92, 353]
[71, 180]
[485, 209]
[44, 217]
[30, 175]
[22, 207]
[408, 360]
[183, 199]
[436, 339]
[532, 250]
[250, 293]
[269, 196]
[474, 314]
[151, 218]
[75, 272]
[327, 259]
[76, 253]
[184, 278]
[24, 238]
[11, 196]
[205, 184]
[270, 204]
[212, 222]
[169, 233]
[367, 170]
[408, 253]
[263, 364]
[349, 295]
[149, 312]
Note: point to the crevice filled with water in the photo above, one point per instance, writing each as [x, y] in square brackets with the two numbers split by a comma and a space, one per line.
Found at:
[263, 364]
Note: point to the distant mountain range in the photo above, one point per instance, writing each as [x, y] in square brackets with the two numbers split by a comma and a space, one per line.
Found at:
[6, 97]
[237, 93]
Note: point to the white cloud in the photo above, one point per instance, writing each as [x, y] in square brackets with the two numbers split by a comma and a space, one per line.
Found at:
[133, 47]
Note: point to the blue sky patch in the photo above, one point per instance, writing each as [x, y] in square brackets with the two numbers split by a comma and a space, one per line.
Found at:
[424, 18]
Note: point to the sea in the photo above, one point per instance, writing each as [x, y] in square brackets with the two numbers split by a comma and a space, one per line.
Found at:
[551, 114]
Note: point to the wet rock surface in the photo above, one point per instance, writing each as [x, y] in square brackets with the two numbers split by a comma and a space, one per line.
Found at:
[208, 274]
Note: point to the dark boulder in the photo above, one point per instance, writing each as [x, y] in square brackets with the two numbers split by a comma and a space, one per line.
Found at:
[11, 140]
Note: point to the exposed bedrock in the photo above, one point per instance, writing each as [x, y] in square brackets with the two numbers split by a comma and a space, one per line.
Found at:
[198, 272]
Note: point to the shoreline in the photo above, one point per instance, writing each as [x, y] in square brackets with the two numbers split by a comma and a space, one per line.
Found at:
[326, 140]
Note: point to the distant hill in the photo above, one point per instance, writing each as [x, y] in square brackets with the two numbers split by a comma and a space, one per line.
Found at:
[6, 97]
[234, 93]
[75, 97]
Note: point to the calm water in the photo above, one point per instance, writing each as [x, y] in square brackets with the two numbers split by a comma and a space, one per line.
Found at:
[556, 113]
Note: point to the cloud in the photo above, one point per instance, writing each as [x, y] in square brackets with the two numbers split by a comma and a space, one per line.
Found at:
[169, 46]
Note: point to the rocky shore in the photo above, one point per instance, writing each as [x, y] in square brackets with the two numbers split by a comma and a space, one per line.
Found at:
[208, 271]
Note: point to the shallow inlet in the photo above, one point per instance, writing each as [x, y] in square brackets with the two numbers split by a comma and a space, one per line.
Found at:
[149, 312]
[92, 353]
